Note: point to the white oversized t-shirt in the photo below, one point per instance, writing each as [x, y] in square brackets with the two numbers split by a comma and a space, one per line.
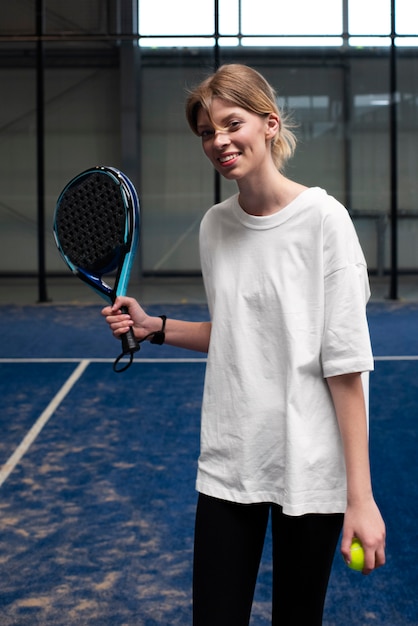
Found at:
[287, 295]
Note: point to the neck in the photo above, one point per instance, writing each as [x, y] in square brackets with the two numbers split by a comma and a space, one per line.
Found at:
[265, 197]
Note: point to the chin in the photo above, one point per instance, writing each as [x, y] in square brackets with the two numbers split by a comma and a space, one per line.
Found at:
[228, 174]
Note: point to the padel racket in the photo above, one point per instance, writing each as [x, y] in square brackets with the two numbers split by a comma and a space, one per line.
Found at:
[96, 229]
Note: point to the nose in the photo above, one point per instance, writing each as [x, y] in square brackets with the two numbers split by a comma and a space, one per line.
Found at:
[221, 138]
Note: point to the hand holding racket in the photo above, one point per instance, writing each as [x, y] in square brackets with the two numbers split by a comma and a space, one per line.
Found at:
[96, 229]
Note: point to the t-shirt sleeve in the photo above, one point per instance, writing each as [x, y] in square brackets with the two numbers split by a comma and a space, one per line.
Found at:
[346, 346]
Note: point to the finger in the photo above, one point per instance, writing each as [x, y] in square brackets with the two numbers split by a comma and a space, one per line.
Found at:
[369, 562]
[373, 558]
[121, 326]
[346, 541]
[380, 557]
[120, 302]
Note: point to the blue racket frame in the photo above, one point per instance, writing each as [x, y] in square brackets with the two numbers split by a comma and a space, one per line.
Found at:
[131, 238]
[126, 251]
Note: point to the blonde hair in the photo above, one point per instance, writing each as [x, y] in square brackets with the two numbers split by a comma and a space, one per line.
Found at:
[245, 87]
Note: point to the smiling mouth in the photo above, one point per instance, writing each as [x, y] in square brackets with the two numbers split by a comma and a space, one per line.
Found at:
[229, 157]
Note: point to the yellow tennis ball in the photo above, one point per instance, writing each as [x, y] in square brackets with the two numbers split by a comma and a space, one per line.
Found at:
[357, 556]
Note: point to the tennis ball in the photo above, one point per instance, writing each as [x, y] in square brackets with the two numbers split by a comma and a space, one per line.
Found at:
[357, 556]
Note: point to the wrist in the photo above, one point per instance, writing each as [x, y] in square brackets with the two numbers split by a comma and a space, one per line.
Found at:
[158, 336]
[359, 497]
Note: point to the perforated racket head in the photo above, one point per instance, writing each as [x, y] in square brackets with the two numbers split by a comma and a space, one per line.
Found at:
[96, 228]
[91, 222]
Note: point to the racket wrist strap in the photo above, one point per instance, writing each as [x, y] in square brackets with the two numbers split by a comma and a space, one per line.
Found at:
[159, 336]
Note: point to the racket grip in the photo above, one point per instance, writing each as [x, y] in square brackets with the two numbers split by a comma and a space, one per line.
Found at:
[129, 346]
[129, 342]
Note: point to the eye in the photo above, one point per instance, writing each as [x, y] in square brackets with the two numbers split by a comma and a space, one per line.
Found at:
[234, 125]
[205, 133]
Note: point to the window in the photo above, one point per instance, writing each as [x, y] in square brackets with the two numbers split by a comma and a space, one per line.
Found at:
[178, 23]
[167, 23]
[369, 22]
[286, 21]
[406, 22]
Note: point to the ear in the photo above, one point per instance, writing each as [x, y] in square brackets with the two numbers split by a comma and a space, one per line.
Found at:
[272, 125]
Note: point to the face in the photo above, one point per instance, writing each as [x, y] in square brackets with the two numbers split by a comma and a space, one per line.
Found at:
[236, 141]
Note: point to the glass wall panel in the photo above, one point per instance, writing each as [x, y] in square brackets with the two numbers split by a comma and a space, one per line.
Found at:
[339, 96]
[89, 17]
[81, 130]
[176, 179]
[82, 127]
[18, 18]
[408, 161]
[371, 160]
[18, 223]
[369, 134]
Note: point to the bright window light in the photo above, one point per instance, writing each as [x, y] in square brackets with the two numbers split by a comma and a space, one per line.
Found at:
[292, 41]
[177, 42]
[180, 23]
[406, 18]
[406, 41]
[369, 17]
[176, 17]
[228, 17]
[369, 42]
[295, 17]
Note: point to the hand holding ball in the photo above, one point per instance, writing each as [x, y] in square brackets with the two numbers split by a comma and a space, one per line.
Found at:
[357, 556]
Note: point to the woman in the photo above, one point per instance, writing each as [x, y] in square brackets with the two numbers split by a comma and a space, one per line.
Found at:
[284, 416]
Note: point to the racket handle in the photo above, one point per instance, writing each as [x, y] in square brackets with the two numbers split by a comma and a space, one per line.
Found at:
[129, 343]
[129, 346]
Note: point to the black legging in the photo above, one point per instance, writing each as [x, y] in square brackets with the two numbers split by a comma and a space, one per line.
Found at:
[229, 541]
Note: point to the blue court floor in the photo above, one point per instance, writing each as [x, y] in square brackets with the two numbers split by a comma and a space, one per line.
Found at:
[97, 481]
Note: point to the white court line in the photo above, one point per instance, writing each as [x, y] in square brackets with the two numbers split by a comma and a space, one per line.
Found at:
[14, 459]
[396, 358]
[100, 360]
[27, 441]
[163, 360]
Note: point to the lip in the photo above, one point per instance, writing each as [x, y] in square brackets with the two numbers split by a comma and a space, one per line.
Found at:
[226, 160]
